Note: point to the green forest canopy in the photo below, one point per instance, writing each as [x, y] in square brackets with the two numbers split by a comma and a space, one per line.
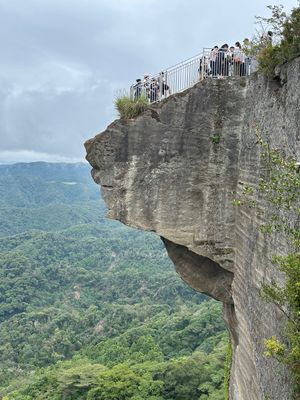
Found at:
[91, 309]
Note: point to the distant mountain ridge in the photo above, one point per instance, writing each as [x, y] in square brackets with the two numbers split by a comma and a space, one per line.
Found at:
[47, 170]
[27, 184]
[37, 196]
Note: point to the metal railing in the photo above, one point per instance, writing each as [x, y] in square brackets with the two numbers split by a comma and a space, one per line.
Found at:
[208, 64]
[223, 64]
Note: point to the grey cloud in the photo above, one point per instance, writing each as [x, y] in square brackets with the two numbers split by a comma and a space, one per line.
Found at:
[62, 61]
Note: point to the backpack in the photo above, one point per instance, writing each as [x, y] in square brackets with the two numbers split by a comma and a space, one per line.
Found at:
[221, 55]
[237, 55]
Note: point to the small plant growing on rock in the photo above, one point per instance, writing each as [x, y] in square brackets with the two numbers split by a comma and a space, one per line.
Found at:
[274, 348]
[129, 108]
[215, 139]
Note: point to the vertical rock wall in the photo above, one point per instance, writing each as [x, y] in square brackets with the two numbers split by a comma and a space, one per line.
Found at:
[274, 108]
[176, 169]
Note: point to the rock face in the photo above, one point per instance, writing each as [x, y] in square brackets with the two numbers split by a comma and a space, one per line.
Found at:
[176, 169]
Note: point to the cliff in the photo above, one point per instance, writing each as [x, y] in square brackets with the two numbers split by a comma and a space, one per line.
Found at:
[176, 169]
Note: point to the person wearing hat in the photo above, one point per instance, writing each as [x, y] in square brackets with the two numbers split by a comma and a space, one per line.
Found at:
[138, 89]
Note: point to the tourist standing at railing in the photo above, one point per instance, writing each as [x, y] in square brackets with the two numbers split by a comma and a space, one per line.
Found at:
[230, 56]
[239, 60]
[222, 61]
[154, 89]
[160, 82]
[266, 38]
[137, 89]
[246, 47]
[164, 88]
[146, 86]
[212, 61]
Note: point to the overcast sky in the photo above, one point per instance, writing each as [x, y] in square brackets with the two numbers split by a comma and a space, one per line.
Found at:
[63, 62]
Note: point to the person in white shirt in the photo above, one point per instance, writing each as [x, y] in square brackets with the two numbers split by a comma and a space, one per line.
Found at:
[238, 60]
[212, 61]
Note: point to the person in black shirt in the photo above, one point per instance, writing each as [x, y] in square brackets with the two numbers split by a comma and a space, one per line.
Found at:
[222, 62]
[137, 89]
[153, 90]
[162, 85]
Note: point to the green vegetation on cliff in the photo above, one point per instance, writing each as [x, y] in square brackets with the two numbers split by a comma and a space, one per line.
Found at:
[91, 309]
[129, 108]
[285, 45]
[279, 187]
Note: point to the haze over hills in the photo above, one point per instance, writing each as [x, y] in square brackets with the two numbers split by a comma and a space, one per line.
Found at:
[90, 308]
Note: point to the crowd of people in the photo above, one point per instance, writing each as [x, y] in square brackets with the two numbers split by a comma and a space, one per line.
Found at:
[220, 62]
[227, 61]
[153, 89]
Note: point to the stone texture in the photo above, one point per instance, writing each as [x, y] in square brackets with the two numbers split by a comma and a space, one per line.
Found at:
[176, 169]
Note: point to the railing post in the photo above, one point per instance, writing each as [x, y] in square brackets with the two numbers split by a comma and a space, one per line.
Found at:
[160, 84]
[202, 64]
[131, 92]
[166, 82]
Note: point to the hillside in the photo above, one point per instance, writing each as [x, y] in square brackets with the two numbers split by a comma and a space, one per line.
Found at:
[91, 309]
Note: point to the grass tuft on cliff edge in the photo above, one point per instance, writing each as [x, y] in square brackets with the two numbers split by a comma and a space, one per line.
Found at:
[129, 108]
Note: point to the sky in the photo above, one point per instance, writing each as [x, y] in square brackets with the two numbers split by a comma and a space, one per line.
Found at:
[63, 62]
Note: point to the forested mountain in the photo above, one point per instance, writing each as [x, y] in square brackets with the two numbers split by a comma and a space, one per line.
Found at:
[91, 309]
